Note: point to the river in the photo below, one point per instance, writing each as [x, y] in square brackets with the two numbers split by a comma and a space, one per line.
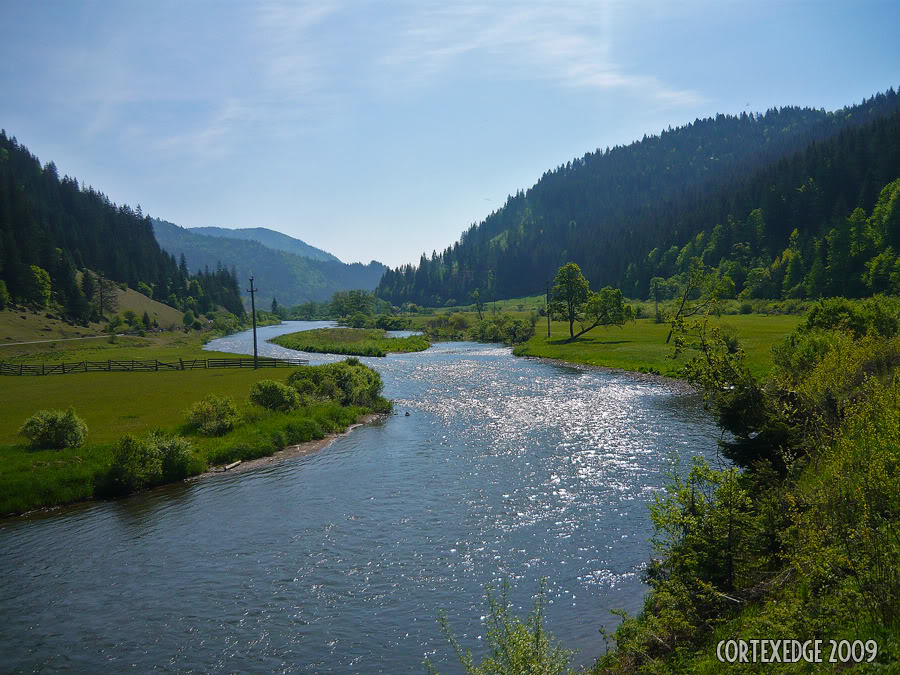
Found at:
[339, 561]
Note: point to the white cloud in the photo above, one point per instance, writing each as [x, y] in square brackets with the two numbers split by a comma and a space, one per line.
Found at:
[190, 85]
[570, 43]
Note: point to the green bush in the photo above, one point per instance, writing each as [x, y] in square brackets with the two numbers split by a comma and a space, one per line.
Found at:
[54, 429]
[273, 395]
[877, 315]
[746, 308]
[349, 382]
[136, 464]
[212, 415]
[139, 463]
[175, 454]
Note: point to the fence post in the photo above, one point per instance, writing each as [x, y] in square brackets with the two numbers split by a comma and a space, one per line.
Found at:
[157, 365]
[181, 363]
[43, 369]
[108, 365]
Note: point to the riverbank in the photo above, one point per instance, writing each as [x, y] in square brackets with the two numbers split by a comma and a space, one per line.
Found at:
[799, 537]
[294, 451]
[134, 404]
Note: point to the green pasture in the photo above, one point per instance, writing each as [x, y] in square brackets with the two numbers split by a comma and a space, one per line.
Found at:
[113, 404]
[163, 346]
[350, 341]
[641, 346]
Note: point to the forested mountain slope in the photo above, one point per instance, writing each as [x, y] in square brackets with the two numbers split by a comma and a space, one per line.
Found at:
[269, 238]
[823, 222]
[51, 226]
[289, 278]
[609, 209]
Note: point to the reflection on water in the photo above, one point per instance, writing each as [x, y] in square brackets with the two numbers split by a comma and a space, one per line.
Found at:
[505, 468]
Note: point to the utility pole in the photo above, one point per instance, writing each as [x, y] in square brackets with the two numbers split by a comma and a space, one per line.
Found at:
[548, 308]
[252, 290]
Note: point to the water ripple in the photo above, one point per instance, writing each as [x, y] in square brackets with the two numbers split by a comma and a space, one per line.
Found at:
[339, 561]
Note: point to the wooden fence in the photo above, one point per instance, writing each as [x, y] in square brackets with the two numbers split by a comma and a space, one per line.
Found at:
[134, 365]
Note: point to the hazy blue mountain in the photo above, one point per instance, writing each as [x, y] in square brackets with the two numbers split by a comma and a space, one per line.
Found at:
[269, 238]
[289, 278]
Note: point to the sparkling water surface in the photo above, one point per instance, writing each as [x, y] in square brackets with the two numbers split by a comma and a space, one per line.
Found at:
[505, 468]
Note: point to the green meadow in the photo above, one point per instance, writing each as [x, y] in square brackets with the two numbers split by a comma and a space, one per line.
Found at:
[641, 345]
[117, 404]
[350, 341]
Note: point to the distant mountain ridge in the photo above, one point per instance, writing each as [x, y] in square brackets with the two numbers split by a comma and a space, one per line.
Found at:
[270, 238]
[285, 276]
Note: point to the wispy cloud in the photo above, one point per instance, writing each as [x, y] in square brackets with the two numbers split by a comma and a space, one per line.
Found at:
[292, 58]
[193, 84]
[569, 43]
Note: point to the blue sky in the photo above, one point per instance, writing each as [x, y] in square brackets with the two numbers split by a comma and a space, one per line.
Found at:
[379, 130]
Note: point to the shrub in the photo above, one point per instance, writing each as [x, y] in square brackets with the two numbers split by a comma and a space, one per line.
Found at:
[877, 315]
[4, 295]
[136, 464]
[729, 337]
[514, 645]
[273, 395]
[175, 455]
[349, 383]
[54, 429]
[746, 308]
[212, 415]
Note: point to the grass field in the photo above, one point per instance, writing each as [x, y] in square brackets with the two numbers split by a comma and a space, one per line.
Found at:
[22, 325]
[163, 345]
[350, 341]
[115, 404]
[641, 346]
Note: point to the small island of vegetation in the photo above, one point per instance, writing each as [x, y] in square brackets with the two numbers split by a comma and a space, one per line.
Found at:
[351, 341]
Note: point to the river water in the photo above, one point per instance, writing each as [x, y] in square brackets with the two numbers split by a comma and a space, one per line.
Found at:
[504, 469]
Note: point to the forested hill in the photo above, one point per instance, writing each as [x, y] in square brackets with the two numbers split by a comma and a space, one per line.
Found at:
[51, 226]
[269, 238]
[609, 209]
[291, 279]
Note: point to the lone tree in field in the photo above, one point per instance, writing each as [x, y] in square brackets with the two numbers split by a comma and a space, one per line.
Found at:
[570, 292]
[574, 300]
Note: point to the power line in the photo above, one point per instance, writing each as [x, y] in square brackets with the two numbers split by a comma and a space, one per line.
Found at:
[251, 291]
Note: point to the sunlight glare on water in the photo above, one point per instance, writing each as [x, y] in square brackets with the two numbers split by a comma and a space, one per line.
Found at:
[505, 469]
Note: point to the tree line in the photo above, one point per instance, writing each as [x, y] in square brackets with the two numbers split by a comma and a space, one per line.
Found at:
[66, 243]
[608, 210]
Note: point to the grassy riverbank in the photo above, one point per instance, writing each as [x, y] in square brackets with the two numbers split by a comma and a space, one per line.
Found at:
[117, 404]
[799, 539]
[641, 346]
[350, 341]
